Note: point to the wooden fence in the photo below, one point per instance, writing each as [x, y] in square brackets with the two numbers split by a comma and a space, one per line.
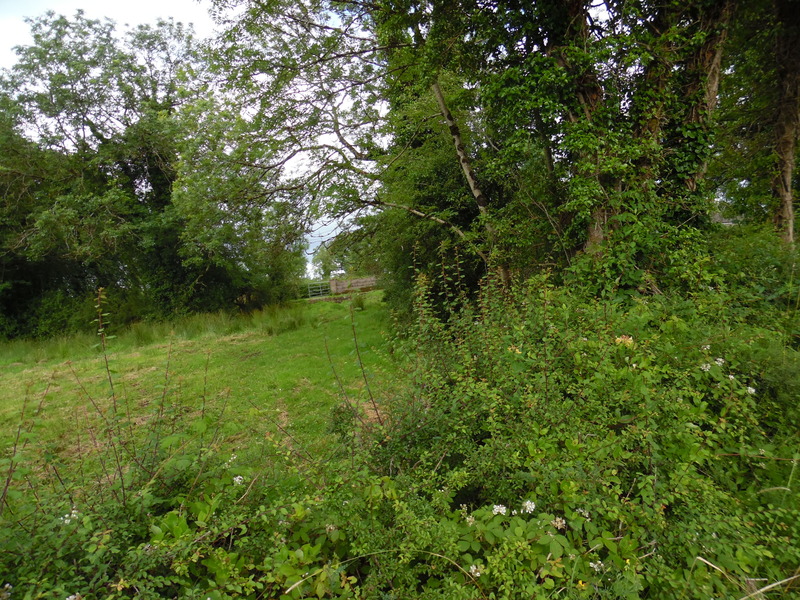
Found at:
[344, 286]
[340, 286]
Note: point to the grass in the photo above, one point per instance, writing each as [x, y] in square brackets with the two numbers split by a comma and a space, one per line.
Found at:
[274, 373]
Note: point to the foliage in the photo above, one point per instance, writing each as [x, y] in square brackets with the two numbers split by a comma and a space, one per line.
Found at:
[88, 197]
[548, 444]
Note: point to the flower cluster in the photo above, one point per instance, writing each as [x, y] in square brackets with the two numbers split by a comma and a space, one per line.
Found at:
[70, 516]
[475, 571]
[597, 566]
[624, 340]
[499, 509]
[528, 506]
[558, 523]
[5, 591]
[238, 480]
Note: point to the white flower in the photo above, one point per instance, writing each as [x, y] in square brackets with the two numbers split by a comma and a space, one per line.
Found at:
[499, 509]
[705, 367]
[70, 516]
[528, 506]
[330, 528]
[475, 571]
[719, 361]
[751, 390]
[597, 566]
[238, 480]
[470, 520]
[706, 347]
[583, 512]
[558, 523]
[731, 377]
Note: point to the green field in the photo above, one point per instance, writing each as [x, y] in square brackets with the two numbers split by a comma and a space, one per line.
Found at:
[261, 376]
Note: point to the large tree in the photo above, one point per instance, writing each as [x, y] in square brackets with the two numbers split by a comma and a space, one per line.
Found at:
[596, 123]
[107, 117]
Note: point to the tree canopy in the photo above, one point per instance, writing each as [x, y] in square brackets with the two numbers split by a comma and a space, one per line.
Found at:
[596, 140]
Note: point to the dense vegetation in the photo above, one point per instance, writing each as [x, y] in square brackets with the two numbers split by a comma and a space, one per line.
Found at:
[597, 381]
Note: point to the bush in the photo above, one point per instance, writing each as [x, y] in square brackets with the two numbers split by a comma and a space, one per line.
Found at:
[653, 437]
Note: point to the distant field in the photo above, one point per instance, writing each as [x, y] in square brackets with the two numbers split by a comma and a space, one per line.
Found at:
[261, 375]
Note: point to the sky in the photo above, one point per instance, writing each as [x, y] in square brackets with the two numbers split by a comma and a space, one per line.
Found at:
[15, 32]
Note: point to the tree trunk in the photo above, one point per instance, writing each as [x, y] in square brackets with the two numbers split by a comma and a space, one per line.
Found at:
[787, 123]
[469, 174]
[704, 68]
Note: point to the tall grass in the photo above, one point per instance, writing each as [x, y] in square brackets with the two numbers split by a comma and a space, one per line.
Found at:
[272, 320]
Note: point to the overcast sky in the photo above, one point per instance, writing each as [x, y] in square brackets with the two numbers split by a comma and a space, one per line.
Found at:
[15, 32]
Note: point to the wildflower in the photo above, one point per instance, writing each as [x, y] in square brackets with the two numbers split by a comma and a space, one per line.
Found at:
[513, 348]
[330, 528]
[731, 377]
[514, 513]
[470, 520]
[238, 480]
[597, 566]
[705, 367]
[558, 523]
[706, 347]
[719, 361]
[528, 506]
[69, 517]
[624, 340]
[581, 585]
[584, 513]
[475, 571]
[499, 509]
[74, 597]
[751, 390]
[5, 591]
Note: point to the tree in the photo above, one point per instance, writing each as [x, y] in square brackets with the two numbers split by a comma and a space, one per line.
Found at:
[787, 118]
[107, 119]
[759, 117]
[615, 106]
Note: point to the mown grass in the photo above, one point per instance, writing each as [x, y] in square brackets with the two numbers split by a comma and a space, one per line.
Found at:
[277, 372]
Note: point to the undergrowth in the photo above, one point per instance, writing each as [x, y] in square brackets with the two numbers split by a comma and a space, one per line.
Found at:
[545, 444]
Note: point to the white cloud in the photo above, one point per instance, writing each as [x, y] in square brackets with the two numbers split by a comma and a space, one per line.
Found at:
[15, 32]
